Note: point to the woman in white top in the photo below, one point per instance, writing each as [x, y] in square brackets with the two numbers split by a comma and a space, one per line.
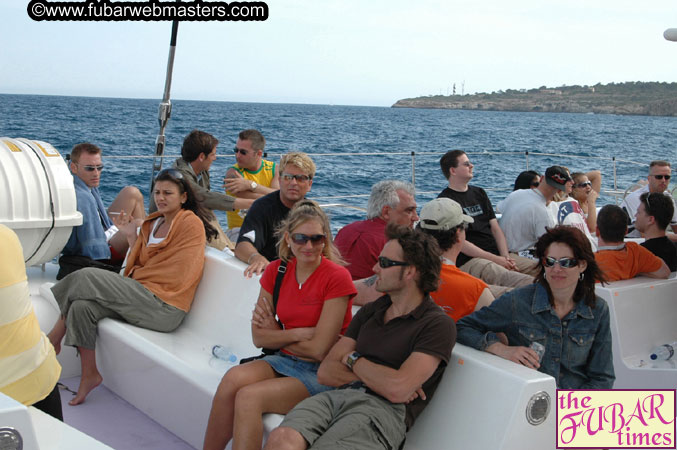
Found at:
[587, 187]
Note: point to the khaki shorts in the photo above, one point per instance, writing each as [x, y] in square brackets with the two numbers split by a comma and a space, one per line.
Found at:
[348, 419]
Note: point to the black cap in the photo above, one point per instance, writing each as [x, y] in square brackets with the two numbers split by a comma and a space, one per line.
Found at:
[557, 177]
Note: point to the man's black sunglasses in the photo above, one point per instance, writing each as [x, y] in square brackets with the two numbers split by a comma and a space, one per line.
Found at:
[384, 262]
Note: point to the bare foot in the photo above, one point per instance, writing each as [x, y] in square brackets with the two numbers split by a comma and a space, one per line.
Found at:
[56, 335]
[86, 386]
[56, 341]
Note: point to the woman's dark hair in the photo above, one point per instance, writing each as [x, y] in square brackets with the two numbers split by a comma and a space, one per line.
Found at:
[192, 203]
[421, 251]
[524, 179]
[579, 244]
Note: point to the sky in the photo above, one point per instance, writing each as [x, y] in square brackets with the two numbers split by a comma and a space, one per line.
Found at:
[347, 52]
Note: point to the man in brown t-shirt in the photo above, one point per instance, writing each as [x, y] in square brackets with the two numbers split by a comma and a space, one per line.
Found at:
[388, 364]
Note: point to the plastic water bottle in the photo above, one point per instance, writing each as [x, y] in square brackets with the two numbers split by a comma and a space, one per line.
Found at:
[663, 352]
[224, 354]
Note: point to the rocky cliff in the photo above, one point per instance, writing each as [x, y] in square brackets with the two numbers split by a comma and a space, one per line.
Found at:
[635, 98]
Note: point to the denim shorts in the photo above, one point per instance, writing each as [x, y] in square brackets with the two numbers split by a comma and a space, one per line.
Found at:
[291, 366]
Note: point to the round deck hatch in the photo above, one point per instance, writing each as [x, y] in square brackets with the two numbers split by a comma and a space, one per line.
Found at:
[10, 439]
[538, 408]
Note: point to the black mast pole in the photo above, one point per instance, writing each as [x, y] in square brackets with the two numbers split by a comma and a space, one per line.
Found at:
[165, 108]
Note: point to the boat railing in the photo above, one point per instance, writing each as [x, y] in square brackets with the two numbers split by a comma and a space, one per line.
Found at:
[617, 192]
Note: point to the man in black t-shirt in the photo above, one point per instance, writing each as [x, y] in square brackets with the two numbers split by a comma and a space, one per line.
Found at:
[257, 243]
[402, 336]
[485, 252]
[653, 216]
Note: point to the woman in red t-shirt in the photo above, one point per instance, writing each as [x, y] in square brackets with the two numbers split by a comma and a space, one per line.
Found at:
[314, 306]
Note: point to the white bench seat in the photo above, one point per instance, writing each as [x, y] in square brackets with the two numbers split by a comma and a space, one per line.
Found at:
[643, 314]
[480, 403]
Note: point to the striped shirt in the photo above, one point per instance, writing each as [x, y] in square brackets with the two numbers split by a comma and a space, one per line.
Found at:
[28, 366]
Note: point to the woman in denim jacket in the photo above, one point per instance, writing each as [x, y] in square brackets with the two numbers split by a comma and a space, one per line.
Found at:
[560, 311]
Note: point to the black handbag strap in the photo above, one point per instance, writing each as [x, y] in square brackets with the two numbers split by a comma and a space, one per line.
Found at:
[281, 271]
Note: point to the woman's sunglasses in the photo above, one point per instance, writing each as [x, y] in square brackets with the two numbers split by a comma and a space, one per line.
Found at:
[302, 239]
[174, 173]
[565, 263]
[585, 184]
[384, 262]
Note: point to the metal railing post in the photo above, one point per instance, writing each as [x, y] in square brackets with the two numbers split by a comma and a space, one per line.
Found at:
[413, 168]
[526, 156]
[613, 159]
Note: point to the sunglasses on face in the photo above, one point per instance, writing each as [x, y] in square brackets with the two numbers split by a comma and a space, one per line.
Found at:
[91, 168]
[660, 177]
[564, 263]
[242, 151]
[302, 239]
[384, 262]
[467, 164]
[584, 184]
[299, 178]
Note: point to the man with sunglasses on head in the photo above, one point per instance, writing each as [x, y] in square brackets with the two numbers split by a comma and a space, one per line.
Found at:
[652, 218]
[198, 152]
[621, 260]
[101, 240]
[659, 180]
[250, 177]
[389, 362]
[257, 242]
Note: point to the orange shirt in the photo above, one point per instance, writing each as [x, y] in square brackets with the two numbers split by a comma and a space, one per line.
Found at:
[628, 262]
[458, 292]
[171, 269]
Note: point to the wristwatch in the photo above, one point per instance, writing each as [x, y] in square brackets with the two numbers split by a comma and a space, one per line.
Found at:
[352, 359]
[253, 186]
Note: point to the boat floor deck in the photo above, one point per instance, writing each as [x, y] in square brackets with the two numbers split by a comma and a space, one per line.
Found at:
[111, 420]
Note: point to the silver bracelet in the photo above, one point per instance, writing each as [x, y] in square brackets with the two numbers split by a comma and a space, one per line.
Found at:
[249, 260]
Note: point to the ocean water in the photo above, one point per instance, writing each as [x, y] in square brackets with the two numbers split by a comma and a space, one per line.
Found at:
[495, 141]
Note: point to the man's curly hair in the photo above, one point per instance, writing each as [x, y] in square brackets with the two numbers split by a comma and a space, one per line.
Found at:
[421, 251]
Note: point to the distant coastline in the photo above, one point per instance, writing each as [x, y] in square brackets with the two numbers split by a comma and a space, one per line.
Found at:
[629, 98]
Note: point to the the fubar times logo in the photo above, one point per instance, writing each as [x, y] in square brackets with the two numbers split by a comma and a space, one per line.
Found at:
[622, 418]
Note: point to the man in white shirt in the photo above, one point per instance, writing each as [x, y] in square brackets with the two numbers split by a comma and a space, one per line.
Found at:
[525, 215]
[659, 179]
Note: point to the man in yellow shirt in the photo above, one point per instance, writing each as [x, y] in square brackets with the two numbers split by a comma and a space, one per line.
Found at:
[29, 370]
[251, 177]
